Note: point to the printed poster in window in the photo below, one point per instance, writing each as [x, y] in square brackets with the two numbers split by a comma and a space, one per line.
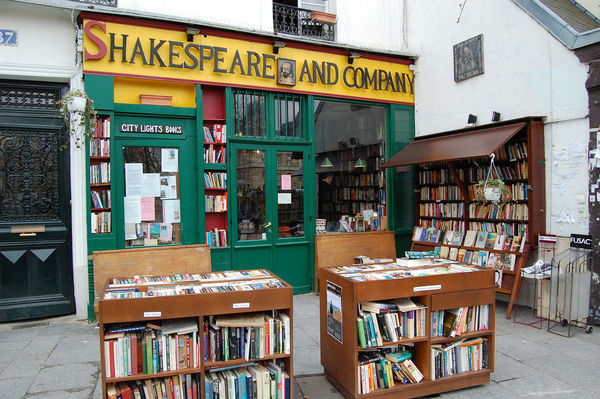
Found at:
[334, 311]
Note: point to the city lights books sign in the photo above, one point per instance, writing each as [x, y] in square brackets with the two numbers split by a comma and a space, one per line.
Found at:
[121, 47]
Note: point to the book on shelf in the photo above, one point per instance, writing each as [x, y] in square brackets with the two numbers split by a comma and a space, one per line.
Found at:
[468, 258]
[449, 237]
[516, 243]
[417, 231]
[507, 243]
[498, 278]
[492, 260]
[470, 237]
[458, 357]
[453, 255]
[506, 261]
[458, 238]
[482, 258]
[499, 244]
[455, 322]
[444, 252]
[481, 239]
[461, 254]
[490, 240]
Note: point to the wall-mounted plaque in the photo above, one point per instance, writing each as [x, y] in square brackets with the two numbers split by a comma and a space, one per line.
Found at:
[468, 58]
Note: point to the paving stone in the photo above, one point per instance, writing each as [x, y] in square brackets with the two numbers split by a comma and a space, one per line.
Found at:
[74, 351]
[65, 377]
[83, 393]
[14, 388]
[24, 365]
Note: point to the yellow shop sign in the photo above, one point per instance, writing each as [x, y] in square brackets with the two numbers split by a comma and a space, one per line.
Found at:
[113, 48]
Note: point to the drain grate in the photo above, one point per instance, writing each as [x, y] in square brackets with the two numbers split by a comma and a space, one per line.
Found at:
[30, 325]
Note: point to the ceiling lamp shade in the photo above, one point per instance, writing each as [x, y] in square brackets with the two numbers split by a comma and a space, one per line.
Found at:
[361, 163]
[326, 163]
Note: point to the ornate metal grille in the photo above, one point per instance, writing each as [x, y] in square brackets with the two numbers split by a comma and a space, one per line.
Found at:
[28, 98]
[29, 175]
[109, 3]
[297, 21]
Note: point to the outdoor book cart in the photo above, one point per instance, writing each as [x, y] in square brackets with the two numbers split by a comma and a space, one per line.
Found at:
[570, 291]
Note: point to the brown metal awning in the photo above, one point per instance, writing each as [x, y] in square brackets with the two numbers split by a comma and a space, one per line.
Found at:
[471, 144]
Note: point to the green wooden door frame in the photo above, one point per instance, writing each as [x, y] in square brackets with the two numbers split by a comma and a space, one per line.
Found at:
[188, 164]
[401, 197]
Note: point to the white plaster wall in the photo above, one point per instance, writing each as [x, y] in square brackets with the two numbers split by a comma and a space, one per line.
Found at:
[256, 15]
[527, 73]
[46, 42]
[46, 52]
[376, 24]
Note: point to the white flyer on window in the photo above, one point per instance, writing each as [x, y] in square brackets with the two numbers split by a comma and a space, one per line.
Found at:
[171, 211]
[169, 160]
[133, 179]
[284, 198]
[151, 185]
[132, 207]
[168, 187]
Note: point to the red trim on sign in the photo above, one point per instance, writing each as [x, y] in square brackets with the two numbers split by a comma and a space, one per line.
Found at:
[124, 75]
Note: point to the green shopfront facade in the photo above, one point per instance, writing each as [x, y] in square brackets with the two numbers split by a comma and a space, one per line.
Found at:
[220, 140]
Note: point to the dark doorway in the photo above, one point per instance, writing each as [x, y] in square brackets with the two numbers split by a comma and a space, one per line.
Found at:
[36, 272]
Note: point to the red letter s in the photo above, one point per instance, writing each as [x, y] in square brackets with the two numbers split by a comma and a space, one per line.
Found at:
[101, 45]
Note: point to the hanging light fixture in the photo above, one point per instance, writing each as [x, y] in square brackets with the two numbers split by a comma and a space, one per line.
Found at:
[326, 163]
[361, 163]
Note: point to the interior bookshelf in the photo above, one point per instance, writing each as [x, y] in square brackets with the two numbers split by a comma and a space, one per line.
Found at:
[351, 188]
[453, 316]
[100, 177]
[193, 335]
[445, 195]
[215, 165]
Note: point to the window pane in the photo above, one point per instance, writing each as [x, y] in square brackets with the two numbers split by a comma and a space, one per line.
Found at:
[287, 116]
[349, 146]
[249, 114]
[151, 204]
[251, 194]
[290, 189]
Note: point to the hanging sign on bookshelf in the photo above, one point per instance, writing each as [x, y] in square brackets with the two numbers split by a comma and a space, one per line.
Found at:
[152, 314]
[334, 311]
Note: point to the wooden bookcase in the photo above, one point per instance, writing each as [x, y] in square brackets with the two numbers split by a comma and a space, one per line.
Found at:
[197, 306]
[436, 292]
[444, 195]
[100, 177]
[215, 166]
[511, 279]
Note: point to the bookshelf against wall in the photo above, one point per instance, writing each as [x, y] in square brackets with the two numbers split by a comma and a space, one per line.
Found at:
[351, 189]
[100, 204]
[445, 192]
[388, 333]
[209, 333]
[215, 163]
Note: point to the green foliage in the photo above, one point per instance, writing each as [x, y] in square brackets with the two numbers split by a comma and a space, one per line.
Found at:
[88, 117]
